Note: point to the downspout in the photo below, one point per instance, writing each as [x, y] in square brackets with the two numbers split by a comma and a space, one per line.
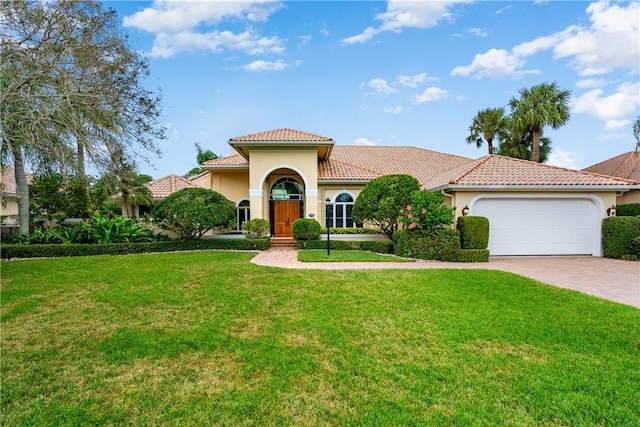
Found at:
[450, 196]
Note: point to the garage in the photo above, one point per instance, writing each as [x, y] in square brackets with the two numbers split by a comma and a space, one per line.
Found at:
[541, 225]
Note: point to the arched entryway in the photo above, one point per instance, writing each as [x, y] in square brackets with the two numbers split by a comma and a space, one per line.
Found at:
[286, 204]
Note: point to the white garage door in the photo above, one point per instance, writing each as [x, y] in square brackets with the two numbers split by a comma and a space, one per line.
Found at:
[539, 226]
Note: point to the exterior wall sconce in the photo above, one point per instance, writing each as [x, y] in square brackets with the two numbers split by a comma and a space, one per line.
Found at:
[611, 211]
[465, 211]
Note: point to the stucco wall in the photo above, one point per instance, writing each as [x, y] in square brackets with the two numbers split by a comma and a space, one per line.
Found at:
[632, 196]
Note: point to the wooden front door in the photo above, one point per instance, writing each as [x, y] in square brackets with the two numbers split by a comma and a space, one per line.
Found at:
[285, 212]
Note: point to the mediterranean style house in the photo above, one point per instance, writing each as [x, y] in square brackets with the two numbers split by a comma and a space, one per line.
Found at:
[625, 166]
[286, 174]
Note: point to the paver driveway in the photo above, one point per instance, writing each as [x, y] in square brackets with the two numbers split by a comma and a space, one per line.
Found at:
[611, 279]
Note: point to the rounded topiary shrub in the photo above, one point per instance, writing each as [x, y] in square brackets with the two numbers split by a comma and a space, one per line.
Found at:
[437, 244]
[256, 228]
[474, 232]
[191, 212]
[306, 229]
[618, 234]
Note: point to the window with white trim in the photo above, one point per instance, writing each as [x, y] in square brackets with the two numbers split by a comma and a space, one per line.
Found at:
[243, 214]
[340, 211]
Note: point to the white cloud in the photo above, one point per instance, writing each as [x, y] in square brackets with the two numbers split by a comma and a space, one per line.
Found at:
[478, 32]
[167, 45]
[394, 110]
[611, 136]
[171, 16]
[431, 94]
[381, 86]
[362, 37]
[462, 98]
[407, 14]
[496, 63]
[562, 158]
[363, 141]
[414, 81]
[304, 40]
[174, 24]
[612, 107]
[589, 83]
[616, 124]
[610, 42]
[261, 65]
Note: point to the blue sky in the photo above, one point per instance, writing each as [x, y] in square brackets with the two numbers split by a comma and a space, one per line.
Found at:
[384, 73]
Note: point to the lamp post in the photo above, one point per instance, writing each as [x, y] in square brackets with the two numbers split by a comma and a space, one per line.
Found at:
[611, 211]
[327, 203]
[465, 211]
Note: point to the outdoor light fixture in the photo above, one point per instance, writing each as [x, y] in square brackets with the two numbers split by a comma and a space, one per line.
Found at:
[327, 203]
[611, 211]
[465, 211]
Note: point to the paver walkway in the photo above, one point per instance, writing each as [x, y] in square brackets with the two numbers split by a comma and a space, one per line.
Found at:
[611, 279]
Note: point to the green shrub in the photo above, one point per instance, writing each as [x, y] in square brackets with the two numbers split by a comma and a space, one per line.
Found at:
[437, 244]
[349, 245]
[256, 227]
[382, 201]
[466, 255]
[48, 251]
[618, 234]
[425, 211]
[191, 212]
[628, 209]
[354, 230]
[306, 229]
[474, 232]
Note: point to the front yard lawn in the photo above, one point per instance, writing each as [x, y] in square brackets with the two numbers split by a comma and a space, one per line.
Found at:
[207, 338]
[320, 255]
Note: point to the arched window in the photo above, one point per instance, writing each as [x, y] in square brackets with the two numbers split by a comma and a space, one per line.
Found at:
[340, 211]
[286, 189]
[243, 214]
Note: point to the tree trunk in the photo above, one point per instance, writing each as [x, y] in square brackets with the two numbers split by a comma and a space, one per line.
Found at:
[22, 191]
[490, 145]
[535, 148]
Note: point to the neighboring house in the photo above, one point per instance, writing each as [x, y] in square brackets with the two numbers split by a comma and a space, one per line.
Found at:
[533, 209]
[8, 203]
[161, 188]
[625, 166]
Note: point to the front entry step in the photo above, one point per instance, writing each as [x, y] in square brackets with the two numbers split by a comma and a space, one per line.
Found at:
[283, 242]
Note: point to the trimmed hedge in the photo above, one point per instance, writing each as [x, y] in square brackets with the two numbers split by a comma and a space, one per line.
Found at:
[474, 232]
[349, 245]
[354, 230]
[441, 245]
[306, 229]
[628, 209]
[618, 234]
[425, 244]
[48, 251]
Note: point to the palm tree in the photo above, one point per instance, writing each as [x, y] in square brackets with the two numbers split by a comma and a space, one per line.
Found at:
[636, 131]
[488, 124]
[201, 157]
[542, 105]
[517, 144]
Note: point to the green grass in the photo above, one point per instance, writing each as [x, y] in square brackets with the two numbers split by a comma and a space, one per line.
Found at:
[207, 338]
[320, 255]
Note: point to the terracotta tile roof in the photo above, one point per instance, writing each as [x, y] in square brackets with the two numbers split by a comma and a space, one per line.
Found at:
[8, 179]
[625, 166]
[507, 171]
[162, 187]
[232, 160]
[338, 170]
[282, 135]
[384, 160]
